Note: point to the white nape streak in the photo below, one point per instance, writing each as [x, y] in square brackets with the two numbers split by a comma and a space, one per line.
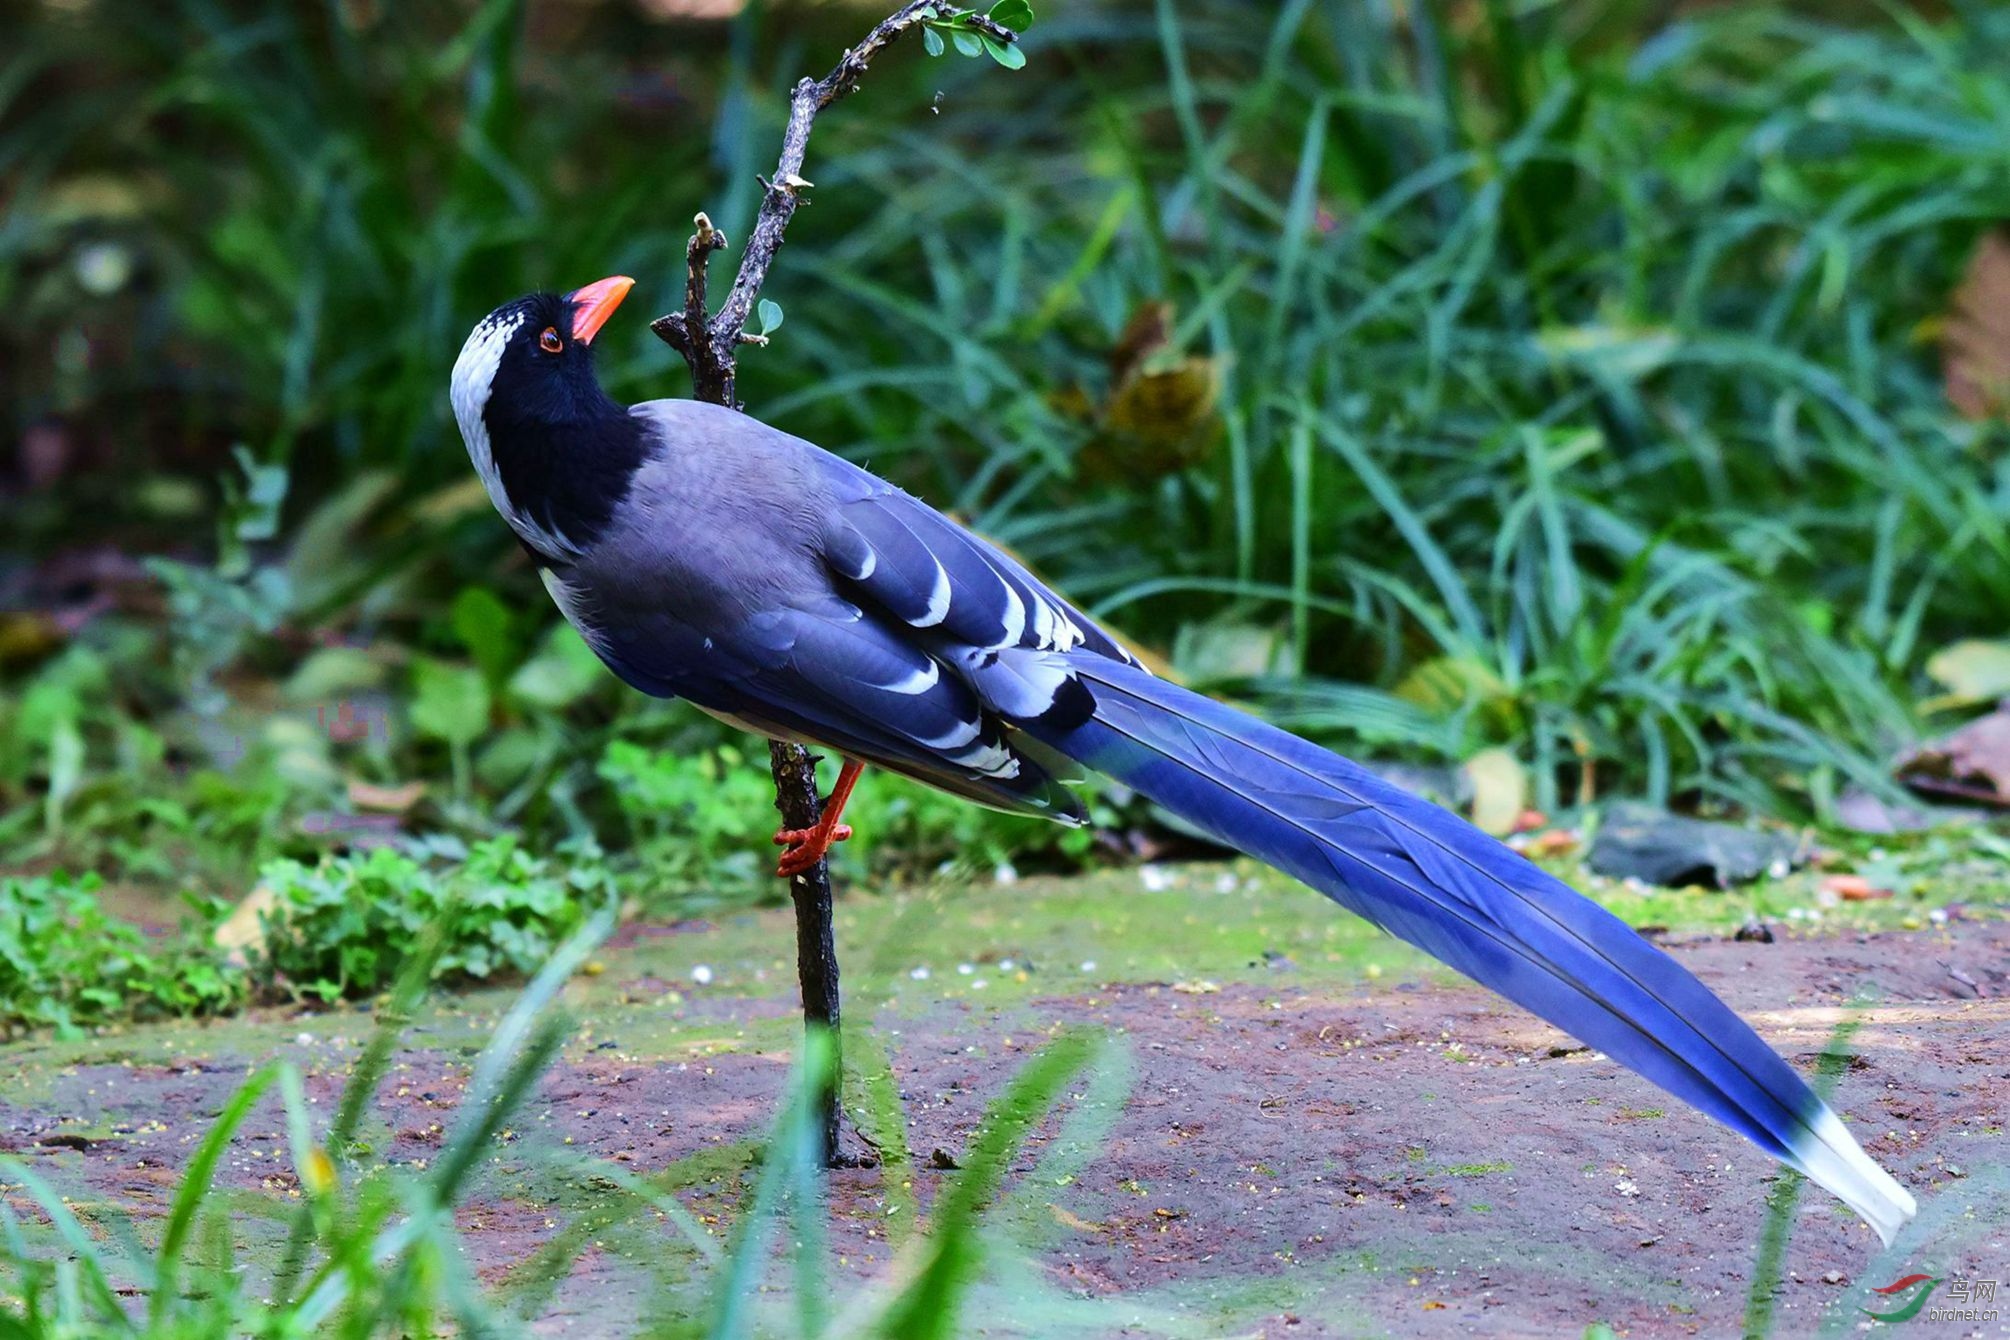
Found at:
[474, 376]
[473, 380]
[571, 606]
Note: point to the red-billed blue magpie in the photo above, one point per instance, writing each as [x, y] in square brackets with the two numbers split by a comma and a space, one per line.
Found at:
[706, 556]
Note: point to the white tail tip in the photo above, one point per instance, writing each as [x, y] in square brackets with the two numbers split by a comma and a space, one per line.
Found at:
[1831, 1158]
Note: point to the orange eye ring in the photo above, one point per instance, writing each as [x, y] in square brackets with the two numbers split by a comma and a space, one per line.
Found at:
[549, 341]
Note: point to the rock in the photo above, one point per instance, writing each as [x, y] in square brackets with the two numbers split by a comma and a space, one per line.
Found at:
[1641, 842]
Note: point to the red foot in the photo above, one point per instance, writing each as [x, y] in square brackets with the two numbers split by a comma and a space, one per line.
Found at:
[807, 846]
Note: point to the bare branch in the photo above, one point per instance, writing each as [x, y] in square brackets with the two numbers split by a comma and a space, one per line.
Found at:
[689, 333]
[710, 343]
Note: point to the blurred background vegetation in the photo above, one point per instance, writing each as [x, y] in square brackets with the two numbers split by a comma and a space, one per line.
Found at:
[1617, 385]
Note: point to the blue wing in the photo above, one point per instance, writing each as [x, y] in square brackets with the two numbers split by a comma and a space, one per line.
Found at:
[822, 603]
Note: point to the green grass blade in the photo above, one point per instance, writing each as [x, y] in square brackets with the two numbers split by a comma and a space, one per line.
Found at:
[196, 1182]
[795, 1139]
[88, 1272]
[926, 1308]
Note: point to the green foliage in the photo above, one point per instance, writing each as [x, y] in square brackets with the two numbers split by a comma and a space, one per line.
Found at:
[486, 627]
[699, 819]
[971, 40]
[449, 702]
[345, 925]
[1529, 372]
[703, 822]
[68, 964]
[1437, 378]
[954, 1250]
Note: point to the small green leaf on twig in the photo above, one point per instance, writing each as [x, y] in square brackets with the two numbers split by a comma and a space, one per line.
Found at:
[967, 42]
[771, 316]
[1009, 56]
[931, 41]
[1014, 14]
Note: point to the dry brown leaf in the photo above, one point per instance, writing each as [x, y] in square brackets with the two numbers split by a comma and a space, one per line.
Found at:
[1067, 1219]
[1159, 416]
[1161, 419]
[1975, 346]
[1971, 765]
[244, 929]
[1147, 332]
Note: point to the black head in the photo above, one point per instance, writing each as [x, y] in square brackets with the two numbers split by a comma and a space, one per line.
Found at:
[555, 451]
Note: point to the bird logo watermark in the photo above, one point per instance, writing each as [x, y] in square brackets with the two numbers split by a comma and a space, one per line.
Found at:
[1964, 1301]
[1918, 1287]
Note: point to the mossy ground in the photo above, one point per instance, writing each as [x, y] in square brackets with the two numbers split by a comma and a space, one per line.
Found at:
[1296, 1117]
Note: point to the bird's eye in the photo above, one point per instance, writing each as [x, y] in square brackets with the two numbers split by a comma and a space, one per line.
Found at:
[549, 341]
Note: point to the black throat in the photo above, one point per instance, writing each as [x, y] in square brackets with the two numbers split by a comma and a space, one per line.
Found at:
[566, 461]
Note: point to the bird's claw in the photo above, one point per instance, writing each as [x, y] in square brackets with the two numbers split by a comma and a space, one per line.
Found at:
[806, 846]
[795, 837]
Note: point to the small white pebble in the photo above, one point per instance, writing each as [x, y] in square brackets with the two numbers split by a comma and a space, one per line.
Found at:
[966, 968]
[702, 974]
[1088, 965]
[979, 984]
[1006, 873]
[103, 268]
[1225, 883]
[1156, 879]
[919, 974]
[1938, 916]
[1006, 965]
[304, 1039]
[1625, 1186]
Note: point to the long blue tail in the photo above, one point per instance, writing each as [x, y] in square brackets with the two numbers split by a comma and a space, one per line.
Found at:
[1444, 886]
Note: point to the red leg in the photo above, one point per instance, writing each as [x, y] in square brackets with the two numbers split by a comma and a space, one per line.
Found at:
[807, 846]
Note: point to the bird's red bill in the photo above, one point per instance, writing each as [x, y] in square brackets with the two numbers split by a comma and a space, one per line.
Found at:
[593, 304]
